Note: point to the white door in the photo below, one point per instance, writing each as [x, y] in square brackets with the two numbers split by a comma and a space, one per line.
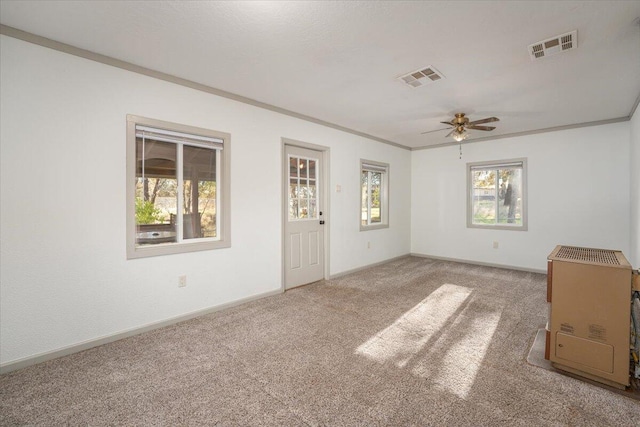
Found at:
[304, 236]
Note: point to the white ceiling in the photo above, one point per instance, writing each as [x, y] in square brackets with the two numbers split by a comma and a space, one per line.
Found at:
[339, 61]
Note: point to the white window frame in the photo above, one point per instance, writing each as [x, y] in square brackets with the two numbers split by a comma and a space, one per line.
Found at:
[497, 164]
[383, 168]
[223, 205]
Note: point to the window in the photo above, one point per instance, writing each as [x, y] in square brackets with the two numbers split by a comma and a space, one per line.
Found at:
[177, 188]
[497, 194]
[374, 184]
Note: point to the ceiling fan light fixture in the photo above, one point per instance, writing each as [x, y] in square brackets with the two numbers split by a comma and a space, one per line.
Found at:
[460, 136]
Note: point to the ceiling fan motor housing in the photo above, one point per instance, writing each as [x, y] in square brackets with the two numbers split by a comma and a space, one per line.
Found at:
[460, 119]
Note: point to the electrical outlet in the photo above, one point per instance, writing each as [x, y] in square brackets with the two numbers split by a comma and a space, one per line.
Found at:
[368, 245]
[182, 281]
[495, 245]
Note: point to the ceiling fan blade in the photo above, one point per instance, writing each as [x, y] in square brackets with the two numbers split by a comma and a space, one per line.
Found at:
[447, 123]
[450, 133]
[437, 130]
[481, 127]
[487, 120]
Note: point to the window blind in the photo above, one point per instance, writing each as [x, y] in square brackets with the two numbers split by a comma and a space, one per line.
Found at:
[179, 137]
[497, 166]
[373, 168]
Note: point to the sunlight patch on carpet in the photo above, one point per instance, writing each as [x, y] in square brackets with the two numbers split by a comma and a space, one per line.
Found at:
[408, 335]
[455, 358]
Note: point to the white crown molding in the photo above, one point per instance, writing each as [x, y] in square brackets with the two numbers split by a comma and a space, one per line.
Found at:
[107, 60]
[76, 51]
[525, 133]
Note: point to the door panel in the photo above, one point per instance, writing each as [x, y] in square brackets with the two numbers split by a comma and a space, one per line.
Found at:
[296, 250]
[304, 235]
[314, 240]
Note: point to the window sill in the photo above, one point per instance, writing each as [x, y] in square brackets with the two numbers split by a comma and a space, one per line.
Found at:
[175, 248]
[373, 227]
[499, 227]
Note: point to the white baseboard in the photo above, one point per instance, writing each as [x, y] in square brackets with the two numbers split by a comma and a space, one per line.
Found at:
[484, 264]
[85, 345]
[364, 267]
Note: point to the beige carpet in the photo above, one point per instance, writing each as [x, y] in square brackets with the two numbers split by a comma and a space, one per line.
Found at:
[412, 342]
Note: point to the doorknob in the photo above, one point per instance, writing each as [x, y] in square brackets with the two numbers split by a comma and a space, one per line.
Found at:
[321, 222]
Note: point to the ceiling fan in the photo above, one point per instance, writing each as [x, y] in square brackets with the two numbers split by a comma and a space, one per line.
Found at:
[460, 124]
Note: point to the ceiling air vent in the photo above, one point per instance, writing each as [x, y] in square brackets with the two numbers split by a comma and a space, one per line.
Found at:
[421, 77]
[554, 45]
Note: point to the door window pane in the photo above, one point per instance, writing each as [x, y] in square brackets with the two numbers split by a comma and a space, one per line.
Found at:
[303, 195]
[312, 169]
[312, 208]
[293, 209]
[293, 188]
[303, 208]
[303, 192]
[293, 167]
[303, 167]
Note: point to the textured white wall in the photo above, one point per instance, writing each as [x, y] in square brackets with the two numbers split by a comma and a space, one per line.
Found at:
[65, 278]
[635, 190]
[578, 186]
[345, 206]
